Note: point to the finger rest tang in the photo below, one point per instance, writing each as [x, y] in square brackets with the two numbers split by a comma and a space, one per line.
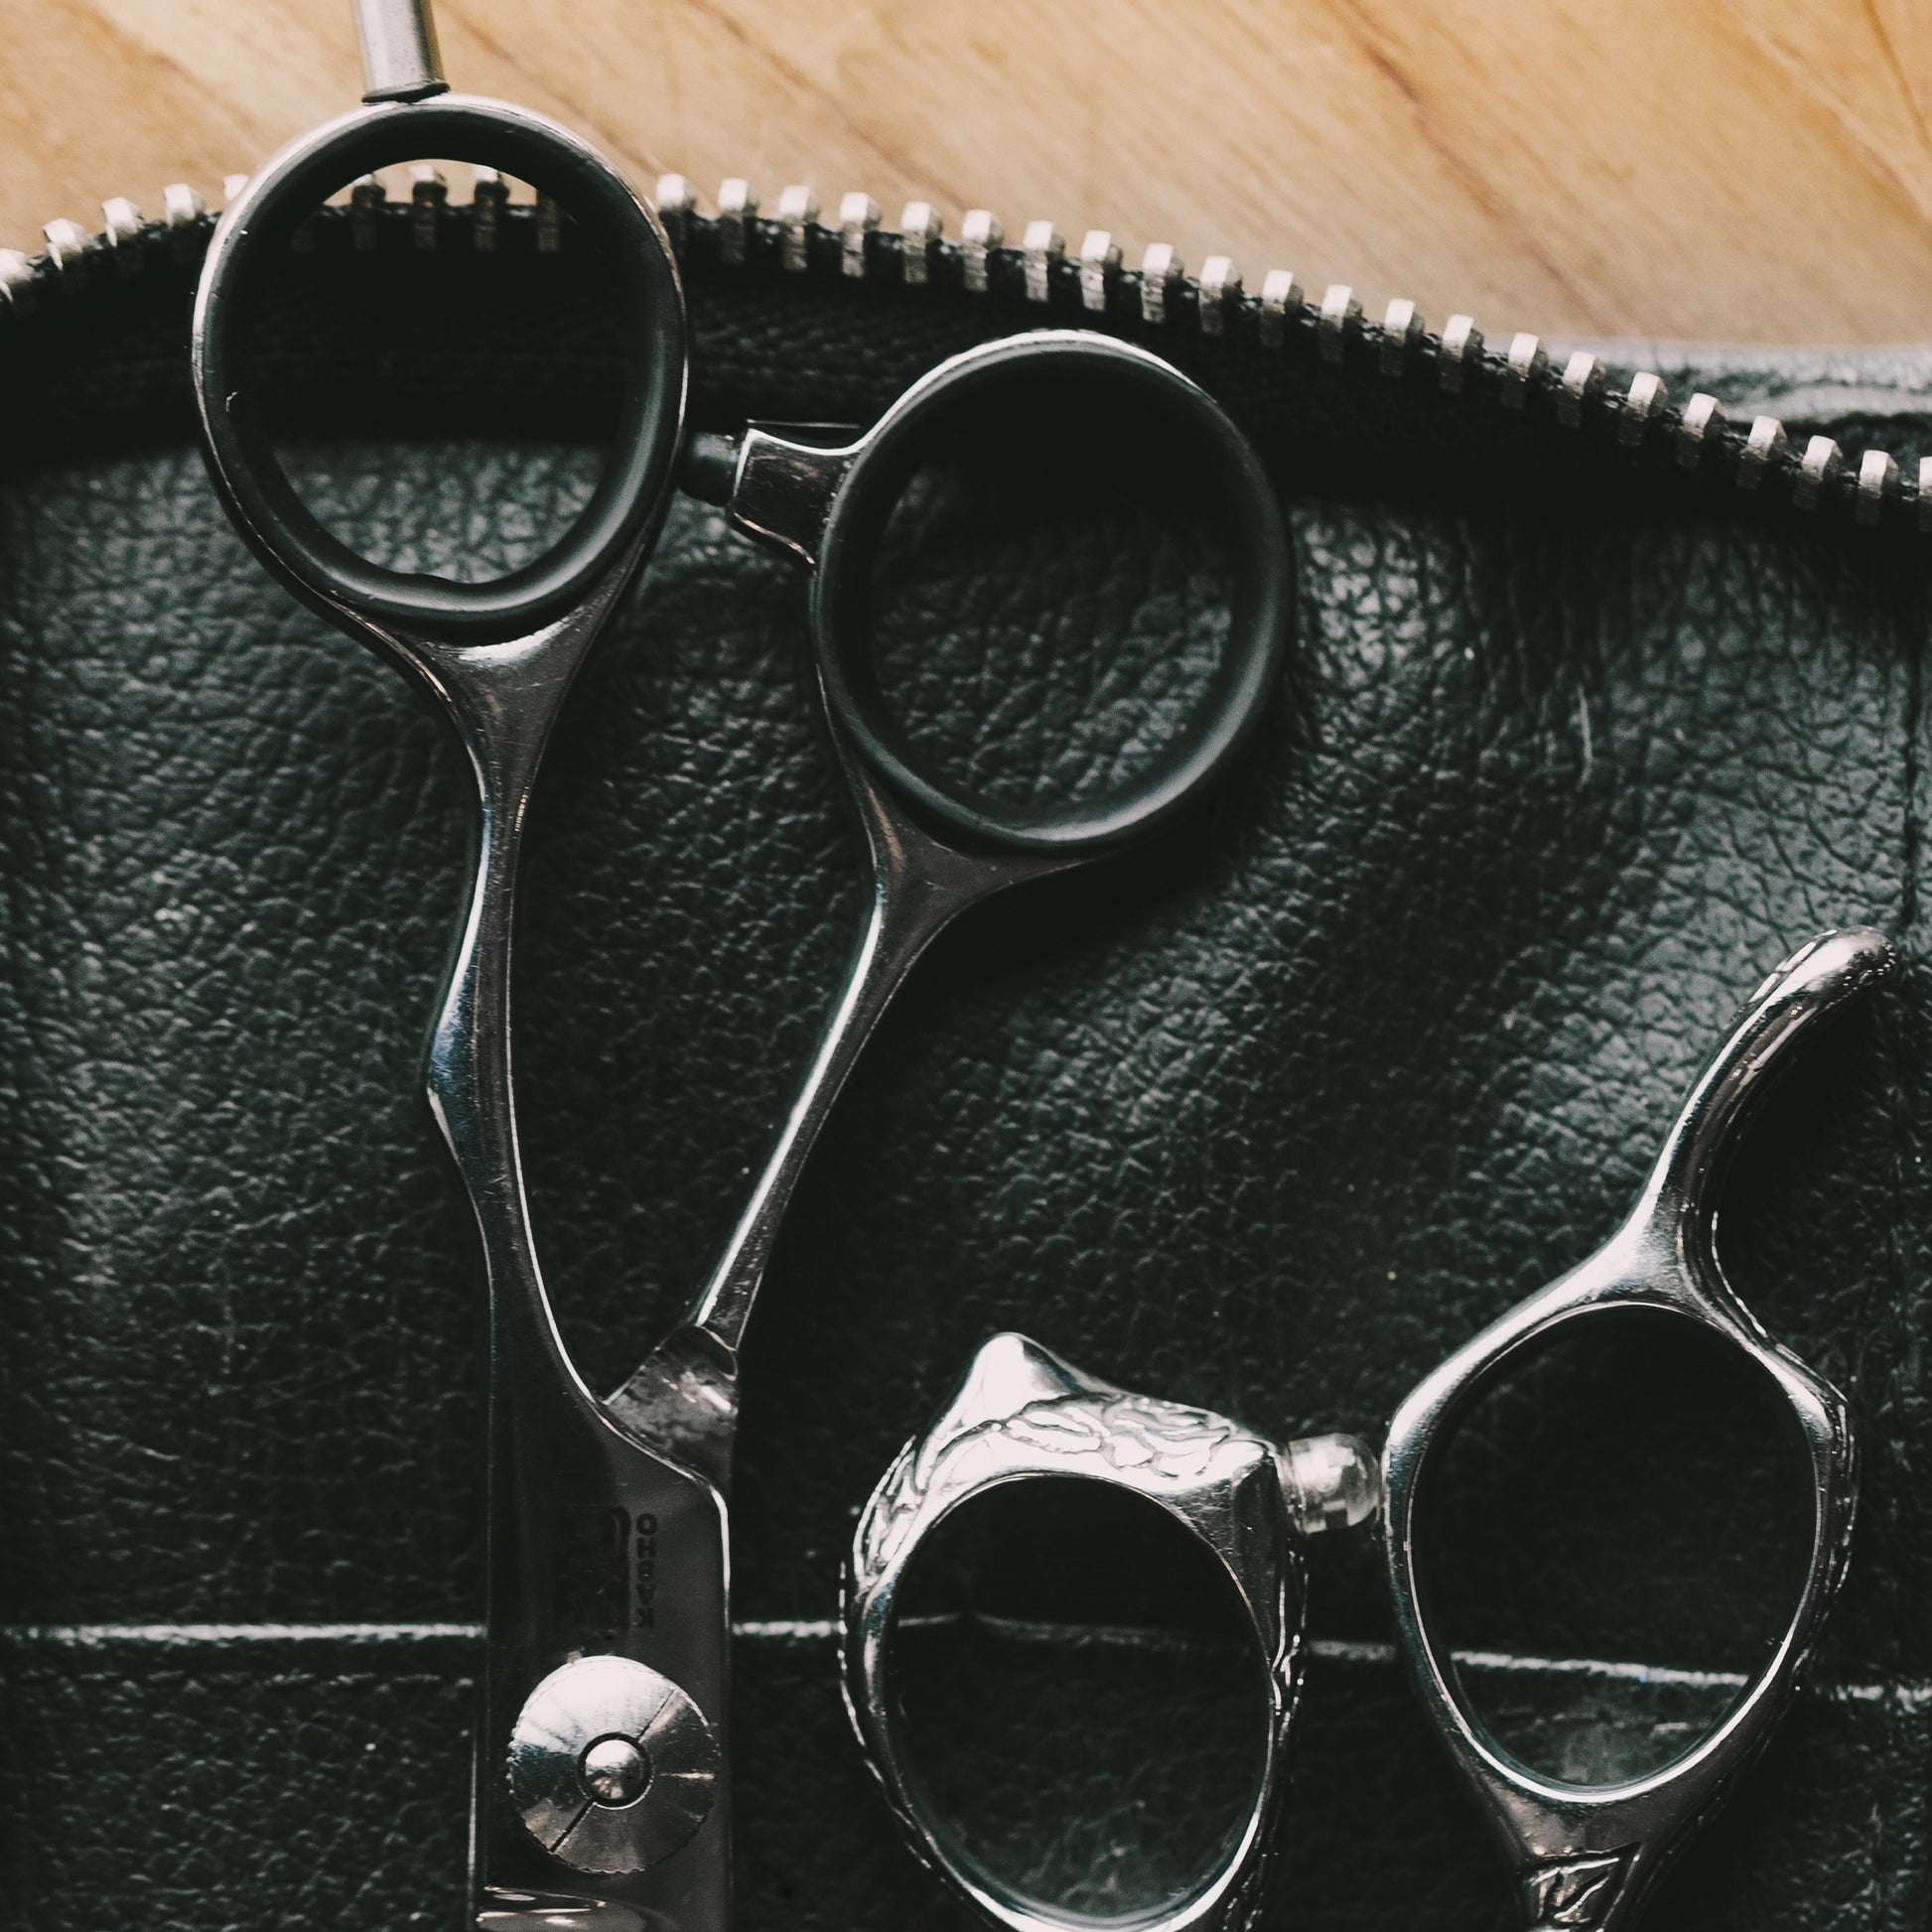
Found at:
[1588, 1857]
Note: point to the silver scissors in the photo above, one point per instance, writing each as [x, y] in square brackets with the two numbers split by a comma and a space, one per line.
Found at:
[1584, 1857]
[601, 1784]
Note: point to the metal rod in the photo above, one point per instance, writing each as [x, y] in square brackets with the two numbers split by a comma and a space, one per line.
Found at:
[400, 58]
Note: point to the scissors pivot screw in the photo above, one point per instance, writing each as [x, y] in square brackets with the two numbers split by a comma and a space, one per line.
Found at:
[612, 1767]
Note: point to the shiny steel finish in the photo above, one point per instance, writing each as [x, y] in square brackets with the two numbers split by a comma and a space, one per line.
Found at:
[1021, 1413]
[825, 507]
[1587, 1857]
[612, 1767]
[400, 58]
[800, 498]
[584, 1516]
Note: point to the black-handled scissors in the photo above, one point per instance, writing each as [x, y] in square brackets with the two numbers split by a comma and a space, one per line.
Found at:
[602, 1780]
[1585, 1857]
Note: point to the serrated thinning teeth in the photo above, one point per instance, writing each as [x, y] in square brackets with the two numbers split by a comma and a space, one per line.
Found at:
[1878, 480]
[1401, 332]
[1099, 259]
[1527, 359]
[1582, 383]
[675, 199]
[1220, 287]
[1821, 466]
[979, 234]
[797, 211]
[920, 229]
[182, 209]
[490, 194]
[429, 193]
[738, 209]
[16, 279]
[858, 218]
[1641, 407]
[1701, 425]
[1763, 448]
[121, 225]
[1162, 271]
[1462, 350]
[68, 245]
[366, 199]
[1040, 271]
[1041, 247]
[1340, 312]
[1281, 303]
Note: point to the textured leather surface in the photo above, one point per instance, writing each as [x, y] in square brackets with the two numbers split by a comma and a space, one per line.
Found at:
[1264, 1118]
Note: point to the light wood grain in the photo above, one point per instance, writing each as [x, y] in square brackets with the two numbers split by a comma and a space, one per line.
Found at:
[1759, 170]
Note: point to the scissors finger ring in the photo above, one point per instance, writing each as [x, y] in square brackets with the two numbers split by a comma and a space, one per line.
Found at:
[1023, 1414]
[1584, 1857]
[939, 847]
[577, 1502]
[1588, 1855]
[601, 1759]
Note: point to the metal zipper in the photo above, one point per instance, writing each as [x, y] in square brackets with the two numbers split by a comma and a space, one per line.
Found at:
[1042, 273]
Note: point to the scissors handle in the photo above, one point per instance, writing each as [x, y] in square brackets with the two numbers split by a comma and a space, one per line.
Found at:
[1021, 1413]
[1588, 1857]
[936, 854]
[683, 1396]
[583, 1516]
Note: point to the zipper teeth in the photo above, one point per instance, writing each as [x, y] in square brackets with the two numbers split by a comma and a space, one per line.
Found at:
[1043, 273]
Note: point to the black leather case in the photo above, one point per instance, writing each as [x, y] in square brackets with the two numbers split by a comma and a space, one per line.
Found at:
[1574, 746]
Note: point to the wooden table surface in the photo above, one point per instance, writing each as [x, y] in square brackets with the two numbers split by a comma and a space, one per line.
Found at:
[1743, 170]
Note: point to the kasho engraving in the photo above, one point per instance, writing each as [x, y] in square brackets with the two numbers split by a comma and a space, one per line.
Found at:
[1164, 1441]
[645, 1570]
[606, 1571]
[594, 1570]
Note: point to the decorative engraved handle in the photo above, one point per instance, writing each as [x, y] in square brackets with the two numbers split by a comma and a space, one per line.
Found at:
[1020, 1412]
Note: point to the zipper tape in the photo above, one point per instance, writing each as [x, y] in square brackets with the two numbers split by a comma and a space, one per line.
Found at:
[1757, 458]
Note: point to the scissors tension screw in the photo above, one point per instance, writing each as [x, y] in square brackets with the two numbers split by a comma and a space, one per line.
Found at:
[615, 1771]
